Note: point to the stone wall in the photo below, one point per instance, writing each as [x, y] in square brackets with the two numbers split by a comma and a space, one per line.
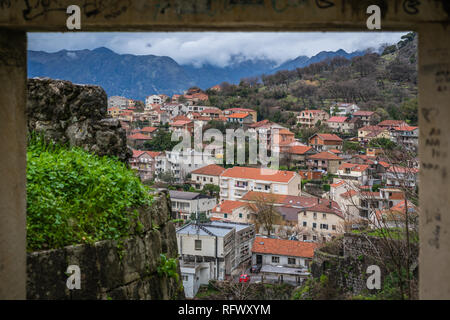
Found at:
[125, 269]
[76, 115]
[348, 269]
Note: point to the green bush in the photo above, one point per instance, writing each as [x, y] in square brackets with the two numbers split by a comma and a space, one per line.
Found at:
[75, 197]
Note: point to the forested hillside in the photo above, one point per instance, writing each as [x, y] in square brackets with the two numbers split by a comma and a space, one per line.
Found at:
[385, 83]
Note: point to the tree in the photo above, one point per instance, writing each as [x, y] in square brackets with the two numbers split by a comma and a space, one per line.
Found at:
[211, 190]
[162, 141]
[383, 143]
[264, 213]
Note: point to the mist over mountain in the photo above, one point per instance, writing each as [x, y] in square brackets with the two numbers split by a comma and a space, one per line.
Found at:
[137, 76]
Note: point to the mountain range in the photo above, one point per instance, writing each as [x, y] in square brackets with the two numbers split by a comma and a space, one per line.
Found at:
[137, 76]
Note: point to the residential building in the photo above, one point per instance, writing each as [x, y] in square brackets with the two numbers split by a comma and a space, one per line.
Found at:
[283, 260]
[212, 251]
[144, 162]
[206, 175]
[240, 118]
[354, 173]
[325, 141]
[181, 163]
[407, 136]
[389, 124]
[309, 118]
[236, 181]
[326, 161]
[344, 124]
[185, 204]
[343, 109]
[233, 211]
[367, 117]
[367, 133]
[252, 112]
[138, 140]
[296, 155]
[117, 102]
[397, 176]
[321, 222]
[153, 99]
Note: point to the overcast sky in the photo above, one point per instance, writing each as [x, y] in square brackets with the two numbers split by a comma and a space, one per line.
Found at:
[214, 47]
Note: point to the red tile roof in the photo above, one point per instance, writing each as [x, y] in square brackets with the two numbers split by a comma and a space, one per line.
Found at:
[405, 128]
[392, 123]
[337, 119]
[228, 206]
[325, 155]
[363, 113]
[299, 149]
[291, 248]
[259, 174]
[209, 170]
[139, 136]
[324, 207]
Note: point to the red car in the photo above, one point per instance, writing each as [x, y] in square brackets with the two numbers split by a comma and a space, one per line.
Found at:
[244, 278]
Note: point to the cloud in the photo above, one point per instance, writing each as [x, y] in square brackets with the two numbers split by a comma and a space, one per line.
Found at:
[216, 48]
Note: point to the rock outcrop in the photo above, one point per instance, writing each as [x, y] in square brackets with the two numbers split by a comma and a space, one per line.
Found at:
[76, 115]
[124, 269]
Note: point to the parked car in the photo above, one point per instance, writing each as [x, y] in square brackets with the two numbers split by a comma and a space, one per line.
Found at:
[244, 278]
[256, 268]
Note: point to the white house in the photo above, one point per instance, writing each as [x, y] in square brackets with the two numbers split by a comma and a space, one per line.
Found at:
[237, 181]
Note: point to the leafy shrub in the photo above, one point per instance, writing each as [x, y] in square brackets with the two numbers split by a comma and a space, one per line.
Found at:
[77, 197]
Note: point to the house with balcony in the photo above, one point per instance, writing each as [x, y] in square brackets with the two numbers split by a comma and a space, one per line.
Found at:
[343, 109]
[407, 136]
[237, 181]
[325, 141]
[309, 118]
[233, 211]
[212, 251]
[251, 112]
[185, 204]
[144, 162]
[283, 260]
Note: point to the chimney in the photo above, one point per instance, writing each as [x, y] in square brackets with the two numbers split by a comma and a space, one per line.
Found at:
[330, 206]
[318, 200]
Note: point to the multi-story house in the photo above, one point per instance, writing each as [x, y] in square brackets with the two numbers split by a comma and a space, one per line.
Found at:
[212, 251]
[233, 211]
[153, 99]
[389, 124]
[252, 112]
[326, 161]
[343, 109]
[407, 136]
[237, 181]
[138, 140]
[188, 204]
[144, 162]
[117, 102]
[367, 117]
[321, 222]
[354, 173]
[367, 133]
[283, 260]
[325, 141]
[181, 163]
[206, 175]
[240, 118]
[296, 155]
[405, 177]
[309, 118]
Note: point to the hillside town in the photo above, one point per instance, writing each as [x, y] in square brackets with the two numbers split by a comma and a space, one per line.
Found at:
[235, 220]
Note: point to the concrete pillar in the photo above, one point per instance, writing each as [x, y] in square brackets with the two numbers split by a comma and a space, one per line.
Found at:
[434, 153]
[12, 164]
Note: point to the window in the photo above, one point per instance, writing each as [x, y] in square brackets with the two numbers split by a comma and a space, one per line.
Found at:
[324, 216]
[314, 238]
[305, 237]
[210, 179]
[185, 278]
[240, 215]
[304, 223]
[324, 226]
[225, 215]
[315, 214]
[333, 227]
[275, 259]
[314, 225]
[291, 260]
[198, 244]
